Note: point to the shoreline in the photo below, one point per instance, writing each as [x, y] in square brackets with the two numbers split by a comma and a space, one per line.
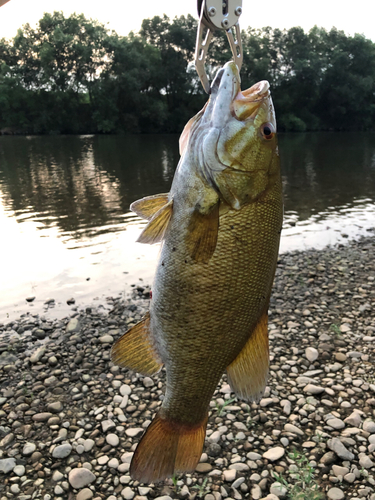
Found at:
[64, 406]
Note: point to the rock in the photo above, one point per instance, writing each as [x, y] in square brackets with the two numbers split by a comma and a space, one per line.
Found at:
[125, 390]
[37, 355]
[28, 449]
[132, 432]
[62, 451]
[108, 425]
[88, 444]
[113, 463]
[274, 453]
[19, 470]
[366, 462]
[71, 301]
[85, 494]
[294, 429]
[328, 458]
[313, 389]
[127, 493]
[229, 475]
[335, 494]
[369, 426]
[7, 465]
[311, 354]
[279, 490]
[335, 423]
[57, 476]
[203, 467]
[72, 326]
[55, 407]
[106, 339]
[339, 471]
[30, 299]
[80, 477]
[148, 382]
[354, 419]
[41, 417]
[112, 439]
[336, 445]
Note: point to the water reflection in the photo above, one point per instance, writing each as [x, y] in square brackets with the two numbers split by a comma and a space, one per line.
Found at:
[64, 206]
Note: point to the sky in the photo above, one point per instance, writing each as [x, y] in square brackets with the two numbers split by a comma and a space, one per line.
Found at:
[125, 16]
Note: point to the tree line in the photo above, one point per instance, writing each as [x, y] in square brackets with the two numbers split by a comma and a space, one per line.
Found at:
[73, 75]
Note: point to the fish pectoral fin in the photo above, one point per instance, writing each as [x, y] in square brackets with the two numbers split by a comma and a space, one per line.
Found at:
[147, 207]
[134, 350]
[248, 373]
[155, 229]
[202, 233]
[167, 448]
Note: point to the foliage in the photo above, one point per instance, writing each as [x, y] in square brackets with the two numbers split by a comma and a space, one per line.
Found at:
[303, 485]
[72, 75]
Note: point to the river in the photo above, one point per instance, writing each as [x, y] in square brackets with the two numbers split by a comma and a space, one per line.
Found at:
[66, 229]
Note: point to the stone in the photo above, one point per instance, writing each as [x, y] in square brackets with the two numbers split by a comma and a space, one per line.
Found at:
[42, 417]
[341, 451]
[112, 439]
[7, 465]
[203, 467]
[148, 382]
[369, 426]
[108, 425]
[88, 444]
[106, 339]
[55, 407]
[336, 423]
[366, 462]
[62, 451]
[28, 448]
[335, 494]
[294, 429]
[229, 475]
[339, 471]
[311, 354]
[313, 389]
[127, 493]
[85, 494]
[80, 477]
[328, 458]
[125, 390]
[274, 453]
[57, 476]
[37, 355]
[19, 470]
[132, 432]
[278, 489]
[354, 419]
[113, 463]
[72, 326]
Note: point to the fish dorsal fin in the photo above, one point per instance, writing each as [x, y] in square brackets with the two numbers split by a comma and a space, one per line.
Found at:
[155, 229]
[202, 233]
[248, 373]
[147, 207]
[189, 128]
[134, 350]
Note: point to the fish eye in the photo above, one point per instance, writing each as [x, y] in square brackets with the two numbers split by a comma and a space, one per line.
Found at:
[267, 130]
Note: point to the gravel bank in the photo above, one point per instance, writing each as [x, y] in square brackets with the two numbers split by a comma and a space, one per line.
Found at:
[70, 420]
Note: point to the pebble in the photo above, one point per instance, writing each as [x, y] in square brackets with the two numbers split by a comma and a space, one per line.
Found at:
[278, 490]
[72, 326]
[336, 423]
[311, 354]
[62, 451]
[28, 448]
[336, 445]
[274, 453]
[112, 439]
[313, 389]
[80, 477]
[7, 465]
[85, 494]
[134, 431]
[229, 475]
[335, 494]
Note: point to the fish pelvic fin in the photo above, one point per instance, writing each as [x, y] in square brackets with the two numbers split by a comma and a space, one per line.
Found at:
[167, 448]
[202, 234]
[134, 350]
[248, 373]
[147, 207]
[155, 230]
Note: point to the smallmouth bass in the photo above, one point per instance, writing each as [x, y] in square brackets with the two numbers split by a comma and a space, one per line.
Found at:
[220, 225]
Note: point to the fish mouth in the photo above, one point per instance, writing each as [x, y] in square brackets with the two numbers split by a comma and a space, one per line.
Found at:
[247, 104]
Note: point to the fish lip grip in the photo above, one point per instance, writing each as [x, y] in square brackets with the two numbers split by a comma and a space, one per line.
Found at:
[213, 15]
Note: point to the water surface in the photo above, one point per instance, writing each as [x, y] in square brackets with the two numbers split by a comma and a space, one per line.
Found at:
[67, 230]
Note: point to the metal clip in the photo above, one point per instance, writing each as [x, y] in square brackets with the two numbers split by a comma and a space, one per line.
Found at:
[217, 14]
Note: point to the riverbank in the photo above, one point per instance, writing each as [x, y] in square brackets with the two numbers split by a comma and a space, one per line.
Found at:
[70, 420]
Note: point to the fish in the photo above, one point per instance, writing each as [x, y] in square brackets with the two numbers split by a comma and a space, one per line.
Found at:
[220, 228]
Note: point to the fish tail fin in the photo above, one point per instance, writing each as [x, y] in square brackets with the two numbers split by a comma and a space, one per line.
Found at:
[167, 448]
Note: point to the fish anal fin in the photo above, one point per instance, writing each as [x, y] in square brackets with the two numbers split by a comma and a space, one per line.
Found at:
[202, 234]
[155, 229]
[134, 350]
[248, 373]
[167, 448]
[147, 207]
